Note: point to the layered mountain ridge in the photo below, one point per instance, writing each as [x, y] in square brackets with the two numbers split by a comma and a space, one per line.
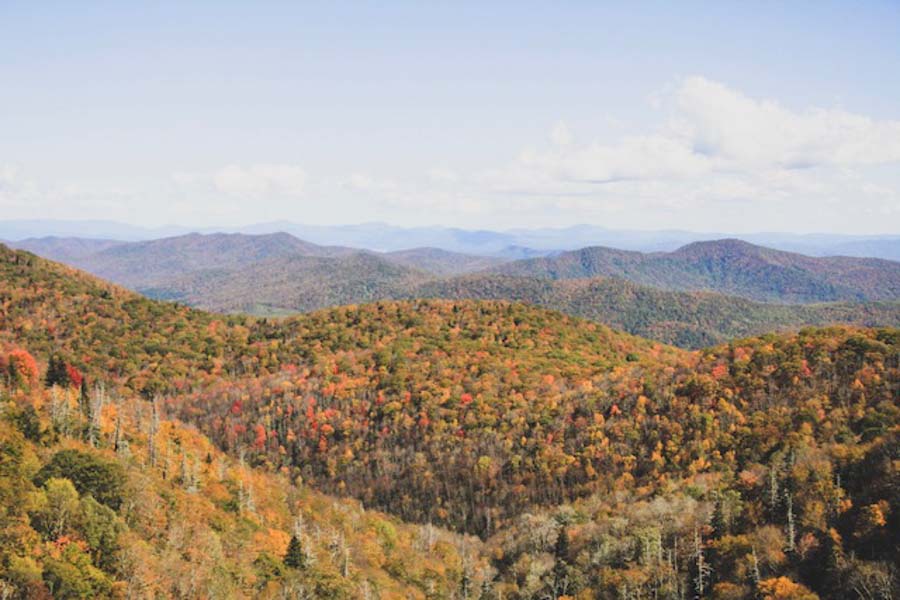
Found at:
[672, 297]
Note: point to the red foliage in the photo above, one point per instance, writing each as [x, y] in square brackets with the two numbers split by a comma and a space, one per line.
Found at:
[805, 371]
[22, 367]
[75, 376]
[720, 371]
[260, 441]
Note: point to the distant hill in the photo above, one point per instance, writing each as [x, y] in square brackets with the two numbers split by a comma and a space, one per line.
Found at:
[139, 264]
[291, 284]
[442, 262]
[383, 237]
[144, 263]
[65, 249]
[277, 274]
[727, 266]
[686, 319]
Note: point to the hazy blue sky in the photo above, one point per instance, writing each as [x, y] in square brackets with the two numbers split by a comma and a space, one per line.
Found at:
[718, 116]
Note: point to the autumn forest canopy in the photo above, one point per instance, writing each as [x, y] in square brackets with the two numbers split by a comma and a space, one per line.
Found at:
[449, 445]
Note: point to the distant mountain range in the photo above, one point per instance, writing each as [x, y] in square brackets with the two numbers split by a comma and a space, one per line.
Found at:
[729, 267]
[676, 297]
[514, 243]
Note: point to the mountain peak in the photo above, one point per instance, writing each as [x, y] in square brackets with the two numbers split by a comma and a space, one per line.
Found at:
[721, 246]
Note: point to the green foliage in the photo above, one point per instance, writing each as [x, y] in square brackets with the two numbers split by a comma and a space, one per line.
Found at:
[27, 421]
[73, 576]
[101, 528]
[57, 508]
[687, 319]
[102, 479]
[56, 372]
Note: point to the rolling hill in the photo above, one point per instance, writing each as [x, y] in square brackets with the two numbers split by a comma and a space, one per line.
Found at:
[140, 264]
[68, 250]
[310, 282]
[730, 267]
[276, 275]
[441, 262]
[685, 319]
[145, 263]
[382, 237]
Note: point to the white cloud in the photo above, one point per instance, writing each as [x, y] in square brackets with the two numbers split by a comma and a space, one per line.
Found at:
[725, 124]
[719, 160]
[714, 129]
[638, 157]
[260, 180]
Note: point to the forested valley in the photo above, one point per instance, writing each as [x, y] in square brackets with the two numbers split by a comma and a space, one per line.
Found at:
[432, 449]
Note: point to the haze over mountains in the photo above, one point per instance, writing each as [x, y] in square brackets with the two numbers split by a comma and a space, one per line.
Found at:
[703, 293]
[514, 243]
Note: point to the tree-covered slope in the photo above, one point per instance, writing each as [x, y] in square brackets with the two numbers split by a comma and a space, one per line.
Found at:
[442, 262]
[730, 267]
[277, 275]
[685, 319]
[103, 496]
[593, 463]
[142, 264]
[292, 284]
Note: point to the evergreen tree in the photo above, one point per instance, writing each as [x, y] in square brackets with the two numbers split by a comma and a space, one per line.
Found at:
[294, 557]
[561, 568]
[56, 372]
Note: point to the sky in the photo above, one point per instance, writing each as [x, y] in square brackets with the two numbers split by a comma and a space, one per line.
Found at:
[714, 116]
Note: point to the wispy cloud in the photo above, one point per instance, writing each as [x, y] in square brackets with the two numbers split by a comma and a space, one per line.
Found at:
[714, 129]
[260, 180]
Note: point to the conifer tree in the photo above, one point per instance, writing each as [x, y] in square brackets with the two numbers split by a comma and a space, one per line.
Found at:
[56, 372]
[294, 557]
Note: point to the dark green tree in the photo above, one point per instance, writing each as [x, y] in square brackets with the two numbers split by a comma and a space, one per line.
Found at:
[294, 557]
[561, 579]
[56, 372]
[102, 479]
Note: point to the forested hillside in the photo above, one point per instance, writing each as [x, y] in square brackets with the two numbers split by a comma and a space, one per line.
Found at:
[685, 319]
[590, 463]
[293, 284]
[442, 262]
[277, 275]
[143, 264]
[104, 496]
[730, 267]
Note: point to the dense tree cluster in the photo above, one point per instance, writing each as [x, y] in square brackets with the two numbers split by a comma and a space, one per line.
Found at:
[150, 508]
